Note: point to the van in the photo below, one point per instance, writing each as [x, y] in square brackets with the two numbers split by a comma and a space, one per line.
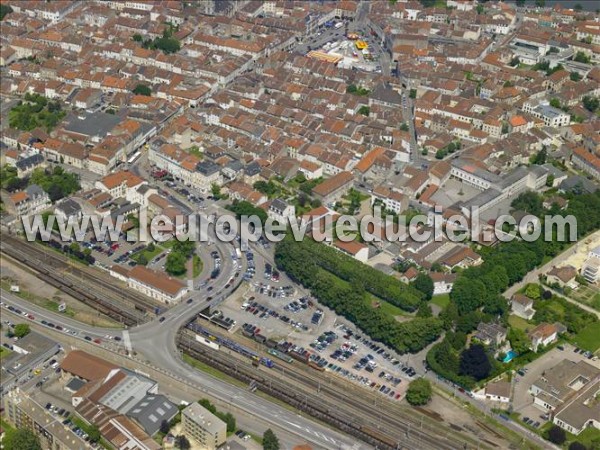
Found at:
[55, 365]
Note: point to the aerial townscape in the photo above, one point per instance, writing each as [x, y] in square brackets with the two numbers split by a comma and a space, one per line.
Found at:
[432, 172]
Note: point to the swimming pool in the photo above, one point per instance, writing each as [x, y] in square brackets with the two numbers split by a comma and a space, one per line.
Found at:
[509, 356]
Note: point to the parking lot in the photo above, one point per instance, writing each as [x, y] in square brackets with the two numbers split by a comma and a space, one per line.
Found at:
[273, 308]
[522, 400]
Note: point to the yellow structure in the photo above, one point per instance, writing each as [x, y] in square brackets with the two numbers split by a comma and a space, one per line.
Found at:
[361, 45]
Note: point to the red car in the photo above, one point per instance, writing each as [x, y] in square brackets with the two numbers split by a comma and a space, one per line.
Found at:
[114, 246]
[97, 341]
[30, 317]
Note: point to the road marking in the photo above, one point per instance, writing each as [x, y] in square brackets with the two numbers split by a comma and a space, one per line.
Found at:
[127, 341]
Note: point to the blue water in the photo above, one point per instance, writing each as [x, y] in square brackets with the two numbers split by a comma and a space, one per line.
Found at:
[509, 356]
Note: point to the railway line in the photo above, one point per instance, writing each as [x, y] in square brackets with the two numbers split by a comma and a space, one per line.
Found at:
[339, 406]
[91, 289]
[360, 414]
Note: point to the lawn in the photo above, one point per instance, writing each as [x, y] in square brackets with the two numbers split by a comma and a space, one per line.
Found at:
[441, 300]
[197, 266]
[518, 322]
[4, 352]
[150, 255]
[589, 337]
[590, 437]
[212, 371]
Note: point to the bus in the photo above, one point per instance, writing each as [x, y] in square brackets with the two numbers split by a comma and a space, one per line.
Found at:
[134, 157]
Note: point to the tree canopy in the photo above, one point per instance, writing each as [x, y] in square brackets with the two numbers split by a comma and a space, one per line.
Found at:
[142, 89]
[424, 284]
[270, 440]
[557, 435]
[344, 284]
[57, 182]
[475, 363]
[419, 392]
[21, 330]
[21, 439]
[35, 111]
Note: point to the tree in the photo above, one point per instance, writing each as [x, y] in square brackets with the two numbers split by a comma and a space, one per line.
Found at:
[4, 10]
[364, 110]
[550, 180]
[480, 9]
[137, 37]
[424, 310]
[175, 264]
[514, 62]
[21, 439]
[577, 446]
[21, 330]
[591, 103]
[518, 340]
[520, 3]
[419, 392]
[441, 153]
[142, 89]
[555, 103]
[413, 93]
[574, 76]
[164, 427]
[505, 128]
[581, 57]
[142, 260]
[475, 363]
[270, 440]
[404, 126]
[424, 283]
[215, 190]
[533, 291]
[151, 247]
[540, 3]
[94, 433]
[557, 435]
[577, 7]
[547, 295]
[182, 442]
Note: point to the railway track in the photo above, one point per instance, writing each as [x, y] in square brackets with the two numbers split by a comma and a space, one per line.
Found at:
[345, 408]
[91, 289]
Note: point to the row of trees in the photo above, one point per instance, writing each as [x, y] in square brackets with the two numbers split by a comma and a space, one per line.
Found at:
[349, 269]
[318, 271]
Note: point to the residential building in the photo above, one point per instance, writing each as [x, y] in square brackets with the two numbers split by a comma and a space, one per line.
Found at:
[33, 200]
[490, 334]
[333, 188]
[24, 412]
[552, 117]
[202, 426]
[563, 276]
[522, 306]
[544, 334]
[498, 391]
[281, 211]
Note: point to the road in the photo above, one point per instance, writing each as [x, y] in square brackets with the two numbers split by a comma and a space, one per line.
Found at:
[533, 276]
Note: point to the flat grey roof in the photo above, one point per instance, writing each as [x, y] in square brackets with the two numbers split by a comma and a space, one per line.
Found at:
[94, 124]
